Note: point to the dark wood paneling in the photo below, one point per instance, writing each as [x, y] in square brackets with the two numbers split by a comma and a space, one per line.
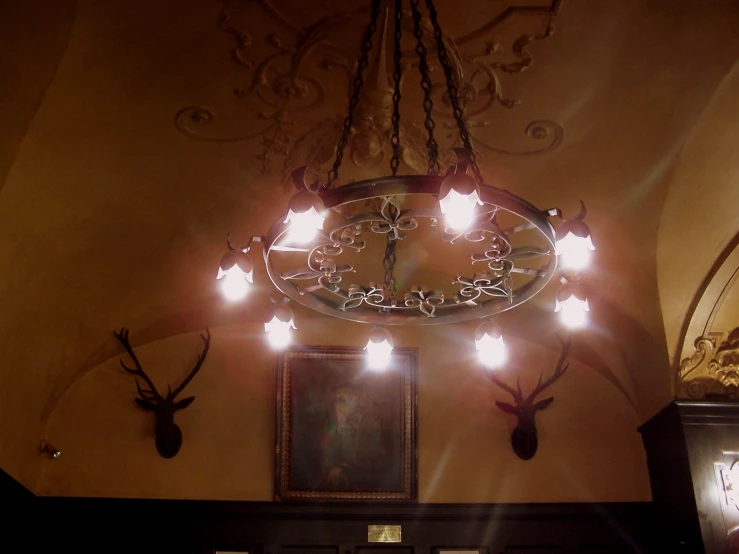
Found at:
[684, 442]
[83, 525]
[272, 528]
[11, 491]
[671, 480]
[534, 550]
[16, 504]
[309, 550]
[384, 550]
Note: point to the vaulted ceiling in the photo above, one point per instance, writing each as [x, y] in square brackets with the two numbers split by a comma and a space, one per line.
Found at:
[135, 134]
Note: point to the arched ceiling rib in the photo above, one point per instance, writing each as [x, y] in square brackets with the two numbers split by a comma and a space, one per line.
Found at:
[699, 223]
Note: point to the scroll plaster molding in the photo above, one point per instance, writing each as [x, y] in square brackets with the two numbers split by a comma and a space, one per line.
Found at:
[288, 85]
[712, 370]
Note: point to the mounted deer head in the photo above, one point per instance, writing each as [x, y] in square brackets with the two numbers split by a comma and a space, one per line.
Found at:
[167, 432]
[524, 439]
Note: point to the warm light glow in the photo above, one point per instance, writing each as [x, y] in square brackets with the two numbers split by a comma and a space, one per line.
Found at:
[573, 311]
[278, 332]
[304, 216]
[379, 348]
[574, 251]
[235, 282]
[730, 478]
[459, 209]
[491, 351]
[278, 322]
[303, 225]
[378, 354]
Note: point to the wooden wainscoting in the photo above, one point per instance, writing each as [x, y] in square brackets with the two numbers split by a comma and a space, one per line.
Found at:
[271, 528]
[134, 526]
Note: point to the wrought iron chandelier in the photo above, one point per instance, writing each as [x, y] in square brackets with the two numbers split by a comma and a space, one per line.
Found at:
[514, 241]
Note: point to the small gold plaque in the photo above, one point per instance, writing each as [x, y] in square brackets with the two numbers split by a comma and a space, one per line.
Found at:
[383, 533]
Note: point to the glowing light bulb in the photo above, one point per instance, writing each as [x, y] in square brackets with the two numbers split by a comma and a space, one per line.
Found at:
[235, 273]
[573, 243]
[458, 196]
[490, 346]
[379, 348]
[573, 312]
[572, 305]
[278, 322]
[492, 352]
[278, 333]
[304, 216]
[574, 251]
[234, 284]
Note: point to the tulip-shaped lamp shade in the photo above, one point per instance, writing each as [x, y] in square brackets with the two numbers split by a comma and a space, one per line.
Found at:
[235, 273]
[574, 244]
[379, 348]
[304, 216]
[489, 345]
[572, 305]
[278, 322]
[458, 196]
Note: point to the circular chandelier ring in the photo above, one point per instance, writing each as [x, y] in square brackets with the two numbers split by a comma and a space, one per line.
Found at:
[436, 312]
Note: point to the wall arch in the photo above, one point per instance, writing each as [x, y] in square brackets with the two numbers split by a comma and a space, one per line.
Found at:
[699, 222]
[227, 453]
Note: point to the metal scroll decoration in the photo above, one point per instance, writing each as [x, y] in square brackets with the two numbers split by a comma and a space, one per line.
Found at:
[286, 87]
[320, 274]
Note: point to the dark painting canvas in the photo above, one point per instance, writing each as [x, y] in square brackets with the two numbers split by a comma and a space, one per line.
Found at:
[346, 432]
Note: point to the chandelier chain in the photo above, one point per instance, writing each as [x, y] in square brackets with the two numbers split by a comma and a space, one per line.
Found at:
[428, 105]
[397, 74]
[452, 89]
[391, 257]
[333, 174]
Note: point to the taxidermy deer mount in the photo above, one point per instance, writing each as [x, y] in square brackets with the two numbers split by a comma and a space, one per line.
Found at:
[167, 432]
[523, 438]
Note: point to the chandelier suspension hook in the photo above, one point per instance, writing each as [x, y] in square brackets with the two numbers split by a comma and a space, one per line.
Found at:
[228, 242]
[557, 212]
[298, 177]
[231, 247]
[582, 213]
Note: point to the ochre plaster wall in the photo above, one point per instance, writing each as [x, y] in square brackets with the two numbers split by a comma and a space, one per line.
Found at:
[700, 216]
[34, 42]
[589, 447]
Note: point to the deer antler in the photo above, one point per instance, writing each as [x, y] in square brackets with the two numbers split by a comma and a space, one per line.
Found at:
[201, 358]
[517, 395]
[152, 393]
[559, 370]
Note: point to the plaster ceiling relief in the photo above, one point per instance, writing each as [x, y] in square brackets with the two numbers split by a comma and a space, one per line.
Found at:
[298, 73]
[712, 371]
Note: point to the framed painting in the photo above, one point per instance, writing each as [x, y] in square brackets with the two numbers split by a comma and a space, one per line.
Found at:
[344, 431]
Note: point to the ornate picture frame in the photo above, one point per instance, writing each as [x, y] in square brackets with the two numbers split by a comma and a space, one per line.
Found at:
[345, 432]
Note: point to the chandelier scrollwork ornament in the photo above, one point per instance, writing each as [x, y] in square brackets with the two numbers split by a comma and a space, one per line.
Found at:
[329, 228]
[481, 284]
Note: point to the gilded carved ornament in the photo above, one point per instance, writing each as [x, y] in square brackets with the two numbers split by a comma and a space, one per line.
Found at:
[288, 85]
[713, 369]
